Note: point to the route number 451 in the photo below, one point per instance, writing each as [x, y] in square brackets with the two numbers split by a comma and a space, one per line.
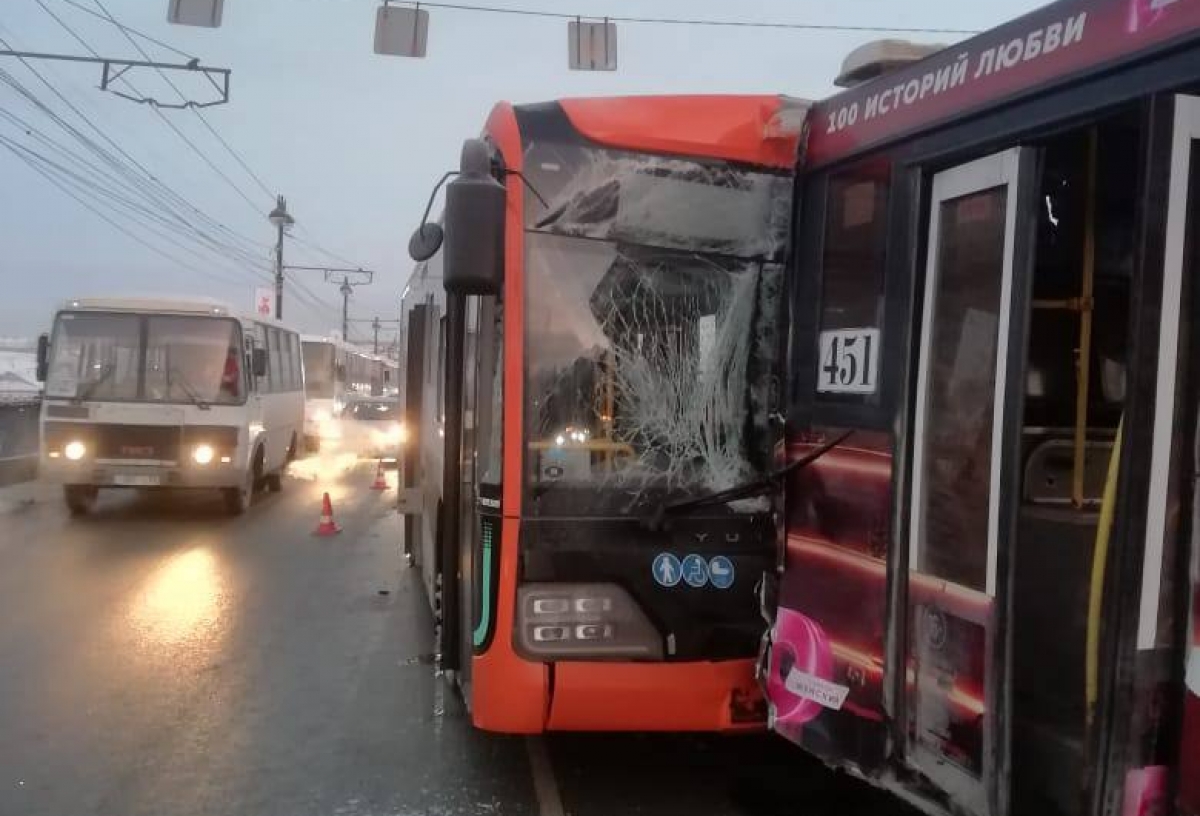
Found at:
[849, 361]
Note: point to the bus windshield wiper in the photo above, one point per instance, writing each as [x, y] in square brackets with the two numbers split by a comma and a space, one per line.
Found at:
[182, 382]
[85, 390]
[744, 491]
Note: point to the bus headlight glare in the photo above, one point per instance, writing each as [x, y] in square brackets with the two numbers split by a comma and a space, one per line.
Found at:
[583, 621]
[202, 454]
[74, 450]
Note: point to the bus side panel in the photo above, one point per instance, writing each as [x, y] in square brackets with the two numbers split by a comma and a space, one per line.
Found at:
[826, 668]
[510, 694]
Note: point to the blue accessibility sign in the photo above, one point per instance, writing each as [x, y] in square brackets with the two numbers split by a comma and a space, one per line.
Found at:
[666, 569]
[720, 572]
[695, 571]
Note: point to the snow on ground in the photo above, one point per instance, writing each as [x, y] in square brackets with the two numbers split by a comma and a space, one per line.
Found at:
[18, 368]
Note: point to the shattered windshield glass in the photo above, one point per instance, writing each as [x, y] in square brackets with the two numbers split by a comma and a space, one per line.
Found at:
[653, 290]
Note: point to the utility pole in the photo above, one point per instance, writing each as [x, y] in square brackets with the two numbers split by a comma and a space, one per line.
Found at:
[377, 324]
[346, 284]
[346, 289]
[282, 221]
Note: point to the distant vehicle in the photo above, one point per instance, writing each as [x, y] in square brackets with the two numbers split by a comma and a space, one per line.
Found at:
[334, 371]
[374, 427]
[172, 393]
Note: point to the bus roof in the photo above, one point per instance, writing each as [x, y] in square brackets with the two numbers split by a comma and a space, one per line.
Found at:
[190, 305]
[182, 305]
[759, 129]
[1042, 49]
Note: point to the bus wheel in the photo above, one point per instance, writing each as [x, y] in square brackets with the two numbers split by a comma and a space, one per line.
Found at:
[291, 451]
[274, 481]
[80, 498]
[237, 499]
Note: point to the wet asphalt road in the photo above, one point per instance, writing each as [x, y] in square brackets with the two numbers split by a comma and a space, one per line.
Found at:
[159, 658]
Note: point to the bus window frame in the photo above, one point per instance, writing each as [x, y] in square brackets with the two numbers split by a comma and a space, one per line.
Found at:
[808, 409]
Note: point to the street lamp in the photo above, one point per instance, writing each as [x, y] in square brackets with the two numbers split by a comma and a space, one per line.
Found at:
[283, 222]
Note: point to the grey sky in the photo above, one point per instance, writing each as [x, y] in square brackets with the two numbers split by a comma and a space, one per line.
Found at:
[355, 140]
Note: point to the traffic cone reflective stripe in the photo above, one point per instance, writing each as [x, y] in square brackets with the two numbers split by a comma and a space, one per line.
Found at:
[380, 478]
[326, 526]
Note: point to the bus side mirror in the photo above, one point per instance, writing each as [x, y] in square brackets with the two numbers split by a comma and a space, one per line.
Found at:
[259, 358]
[43, 357]
[425, 242]
[474, 226]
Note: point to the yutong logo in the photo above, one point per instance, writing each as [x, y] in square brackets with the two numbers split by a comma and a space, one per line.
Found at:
[137, 451]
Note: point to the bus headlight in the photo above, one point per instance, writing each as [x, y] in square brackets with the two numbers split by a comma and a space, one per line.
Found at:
[583, 621]
[321, 416]
[74, 450]
[396, 434]
[202, 454]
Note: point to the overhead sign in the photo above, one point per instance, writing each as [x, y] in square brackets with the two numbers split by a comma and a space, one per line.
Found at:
[401, 32]
[203, 13]
[592, 46]
[1043, 48]
[264, 300]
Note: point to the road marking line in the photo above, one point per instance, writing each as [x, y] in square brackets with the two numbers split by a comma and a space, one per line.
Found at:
[544, 783]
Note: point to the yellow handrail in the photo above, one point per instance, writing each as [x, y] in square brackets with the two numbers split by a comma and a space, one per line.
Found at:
[1096, 590]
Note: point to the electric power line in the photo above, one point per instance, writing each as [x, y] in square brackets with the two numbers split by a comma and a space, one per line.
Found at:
[102, 216]
[679, 21]
[144, 180]
[130, 29]
[236, 156]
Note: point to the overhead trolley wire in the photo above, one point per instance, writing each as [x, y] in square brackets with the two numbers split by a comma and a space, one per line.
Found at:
[143, 179]
[236, 156]
[684, 21]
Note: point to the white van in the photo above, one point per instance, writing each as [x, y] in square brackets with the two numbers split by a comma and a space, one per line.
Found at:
[158, 393]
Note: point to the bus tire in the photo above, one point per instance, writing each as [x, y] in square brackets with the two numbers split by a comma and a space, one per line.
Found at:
[237, 499]
[274, 481]
[80, 499]
[293, 447]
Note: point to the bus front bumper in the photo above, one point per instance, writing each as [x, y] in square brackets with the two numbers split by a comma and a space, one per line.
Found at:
[694, 696]
[109, 473]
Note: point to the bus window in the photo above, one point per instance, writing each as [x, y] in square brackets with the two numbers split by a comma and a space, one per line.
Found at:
[192, 359]
[852, 281]
[96, 354]
[278, 382]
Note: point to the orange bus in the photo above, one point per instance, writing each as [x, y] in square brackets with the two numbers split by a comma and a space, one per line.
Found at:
[596, 342]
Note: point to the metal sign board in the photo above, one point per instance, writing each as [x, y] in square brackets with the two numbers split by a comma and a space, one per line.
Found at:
[203, 13]
[401, 32]
[1032, 53]
[592, 46]
[264, 300]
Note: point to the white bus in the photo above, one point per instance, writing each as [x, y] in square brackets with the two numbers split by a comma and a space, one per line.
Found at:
[335, 371]
[158, 393]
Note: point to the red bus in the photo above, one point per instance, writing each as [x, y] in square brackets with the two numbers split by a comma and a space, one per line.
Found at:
[988, 602]
[612, 355]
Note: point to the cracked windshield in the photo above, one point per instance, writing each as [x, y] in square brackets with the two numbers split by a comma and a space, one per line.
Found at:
[546, 408]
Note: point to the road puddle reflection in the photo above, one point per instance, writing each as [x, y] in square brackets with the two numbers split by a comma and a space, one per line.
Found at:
[182, 601]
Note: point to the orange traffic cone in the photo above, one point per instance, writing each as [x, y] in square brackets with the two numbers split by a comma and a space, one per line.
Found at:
[327, 526]
[380, 478]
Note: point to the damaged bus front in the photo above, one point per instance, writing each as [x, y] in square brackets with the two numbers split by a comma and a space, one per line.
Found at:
[625, 365]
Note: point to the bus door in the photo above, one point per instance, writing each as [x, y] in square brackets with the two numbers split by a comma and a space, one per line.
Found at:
[956, 661]
[1159, 624]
